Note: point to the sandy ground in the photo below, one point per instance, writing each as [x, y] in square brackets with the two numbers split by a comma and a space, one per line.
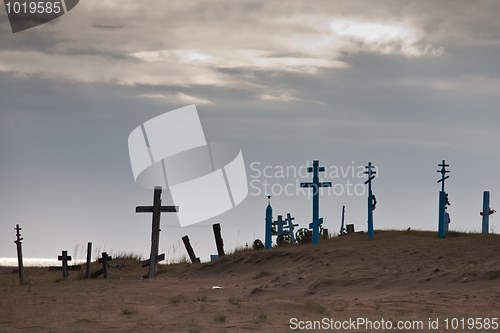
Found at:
[405, 276]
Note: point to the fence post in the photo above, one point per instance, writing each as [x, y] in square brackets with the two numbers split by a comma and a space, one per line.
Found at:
[89, 258]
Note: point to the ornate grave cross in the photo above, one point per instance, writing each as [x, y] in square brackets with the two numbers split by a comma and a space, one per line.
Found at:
[291, 226]
[65, 268]
[316, 184]
[442, 200]
[371, 175]
[19, 253]
[156, 209]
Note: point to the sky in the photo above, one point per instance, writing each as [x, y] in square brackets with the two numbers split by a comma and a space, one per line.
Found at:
[401, 84]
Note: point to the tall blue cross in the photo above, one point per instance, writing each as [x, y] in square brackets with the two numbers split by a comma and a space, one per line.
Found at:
[442, 200]
[316, 184]
[371, 175]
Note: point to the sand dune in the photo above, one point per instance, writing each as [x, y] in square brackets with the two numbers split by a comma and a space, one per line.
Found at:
[398, 276]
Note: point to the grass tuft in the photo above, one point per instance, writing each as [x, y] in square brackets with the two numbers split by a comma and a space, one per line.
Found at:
[220, 318]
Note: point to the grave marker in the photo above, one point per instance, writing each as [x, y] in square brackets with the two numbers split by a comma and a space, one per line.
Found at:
[370, 174]
[442, 200]
[289, 219]
[105, 266]
[280, 223]
[156, 209]
[65, 268]
[315, 185]
[19, 254]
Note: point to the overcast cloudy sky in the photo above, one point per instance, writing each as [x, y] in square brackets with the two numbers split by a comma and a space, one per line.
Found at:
[403, 84]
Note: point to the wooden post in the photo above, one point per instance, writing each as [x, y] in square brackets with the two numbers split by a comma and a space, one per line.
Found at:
[325, 233]
[342, 229]
[89, 258]
[156, 209]
[218, 240]
[19, 254]
[190, 250]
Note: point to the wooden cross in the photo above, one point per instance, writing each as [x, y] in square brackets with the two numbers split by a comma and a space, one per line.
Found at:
[105, 268]
[156, 209]
[65, 268]
[316, 184]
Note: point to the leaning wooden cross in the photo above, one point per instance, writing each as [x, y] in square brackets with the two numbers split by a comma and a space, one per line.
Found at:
[65, 268]
[156, 209]
[105, 266]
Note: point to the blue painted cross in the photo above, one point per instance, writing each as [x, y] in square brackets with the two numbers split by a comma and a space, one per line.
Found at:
[371, 175]
[316, 184]
[442, 200]
[280, 223]
[291, 226]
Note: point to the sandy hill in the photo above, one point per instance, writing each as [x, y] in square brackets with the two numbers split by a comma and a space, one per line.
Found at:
[400, 276]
